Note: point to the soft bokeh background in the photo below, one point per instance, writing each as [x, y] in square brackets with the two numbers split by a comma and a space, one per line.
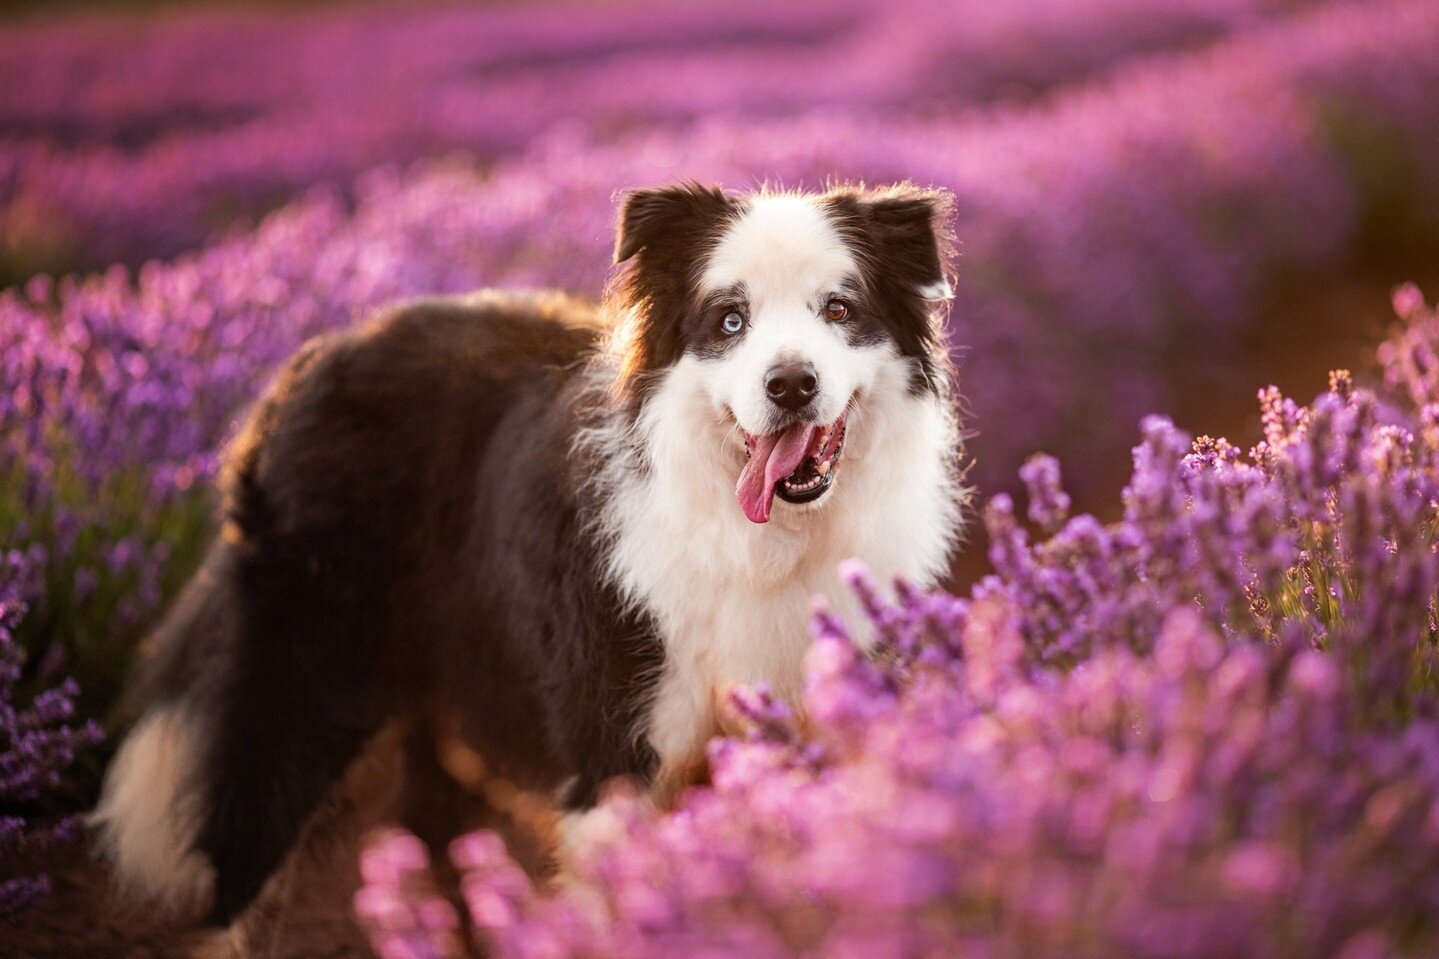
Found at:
[1162, 206]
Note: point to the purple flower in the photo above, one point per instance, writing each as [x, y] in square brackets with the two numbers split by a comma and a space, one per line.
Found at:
[38, 742]
[1048, 502]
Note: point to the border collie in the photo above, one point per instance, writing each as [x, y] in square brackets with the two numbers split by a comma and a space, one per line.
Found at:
[563, 525]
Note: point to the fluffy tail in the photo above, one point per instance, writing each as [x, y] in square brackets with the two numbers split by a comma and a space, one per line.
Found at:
[150, 814]
[152, 807]
[260, 693]
[274, 668]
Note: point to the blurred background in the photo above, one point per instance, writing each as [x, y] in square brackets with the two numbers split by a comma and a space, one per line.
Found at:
[1163, 205]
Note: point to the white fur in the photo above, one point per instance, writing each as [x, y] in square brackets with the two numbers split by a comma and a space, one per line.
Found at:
[149, 814]
[937, 291]
[731, 598]
[790, 260]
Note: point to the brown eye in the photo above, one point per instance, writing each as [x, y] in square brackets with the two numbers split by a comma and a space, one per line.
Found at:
[836, 310]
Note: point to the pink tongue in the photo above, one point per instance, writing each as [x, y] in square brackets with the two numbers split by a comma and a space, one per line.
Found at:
[771, 459]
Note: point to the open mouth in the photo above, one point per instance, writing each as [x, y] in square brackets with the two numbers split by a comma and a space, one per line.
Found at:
[797, 464]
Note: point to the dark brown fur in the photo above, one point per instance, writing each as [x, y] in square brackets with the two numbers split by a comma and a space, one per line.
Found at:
[384, 546]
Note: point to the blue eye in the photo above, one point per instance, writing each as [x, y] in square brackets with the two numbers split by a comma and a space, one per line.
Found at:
[732, 324]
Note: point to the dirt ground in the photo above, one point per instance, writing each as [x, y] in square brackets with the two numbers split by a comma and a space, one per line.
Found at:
[306, 914]
[305, 911]
[82, 920]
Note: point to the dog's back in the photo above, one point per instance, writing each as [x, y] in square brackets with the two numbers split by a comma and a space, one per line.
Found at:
[352, 501]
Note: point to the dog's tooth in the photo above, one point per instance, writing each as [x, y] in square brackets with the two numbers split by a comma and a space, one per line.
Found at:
[823, 468]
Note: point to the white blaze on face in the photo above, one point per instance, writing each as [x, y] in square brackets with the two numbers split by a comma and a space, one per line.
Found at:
[786, 257]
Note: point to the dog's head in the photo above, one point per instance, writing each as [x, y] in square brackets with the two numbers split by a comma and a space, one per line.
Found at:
[784, 314]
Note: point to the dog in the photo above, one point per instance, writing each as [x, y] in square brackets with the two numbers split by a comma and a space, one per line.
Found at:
[565, 524]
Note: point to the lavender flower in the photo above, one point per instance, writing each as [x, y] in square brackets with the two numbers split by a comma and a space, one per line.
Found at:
[1048, 502]
[399, 904]
[39, 739]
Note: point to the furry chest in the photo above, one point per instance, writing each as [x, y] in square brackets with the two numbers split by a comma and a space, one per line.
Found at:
[721, 632]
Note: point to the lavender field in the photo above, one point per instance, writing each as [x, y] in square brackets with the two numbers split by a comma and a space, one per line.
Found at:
[1199, 722]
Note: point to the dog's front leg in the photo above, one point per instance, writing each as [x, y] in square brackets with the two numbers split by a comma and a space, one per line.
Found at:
[681, 721]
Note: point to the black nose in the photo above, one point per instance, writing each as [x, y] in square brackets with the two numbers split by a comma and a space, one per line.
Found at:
[791, 385]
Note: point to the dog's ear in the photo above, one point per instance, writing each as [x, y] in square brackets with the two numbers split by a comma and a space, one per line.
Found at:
[910, 228]
[666, 232]
[664, 219]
